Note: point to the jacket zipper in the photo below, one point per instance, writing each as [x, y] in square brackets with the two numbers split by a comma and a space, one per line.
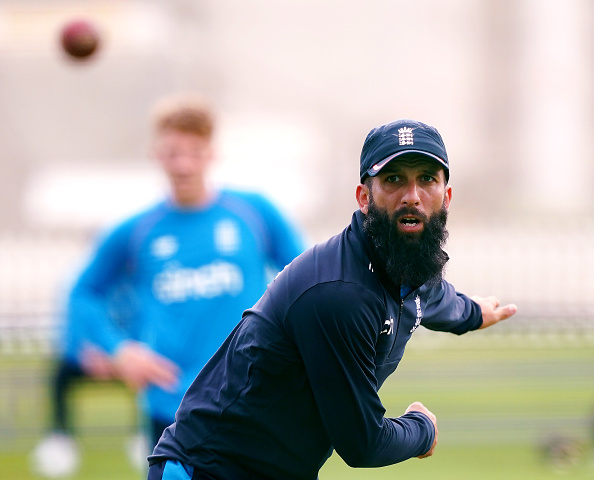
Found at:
[397, 325]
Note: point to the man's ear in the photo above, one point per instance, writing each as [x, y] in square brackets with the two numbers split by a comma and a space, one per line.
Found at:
[362, 194]
[448, 197]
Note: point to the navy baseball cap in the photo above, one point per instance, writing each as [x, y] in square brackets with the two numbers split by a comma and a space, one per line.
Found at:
[389, 141]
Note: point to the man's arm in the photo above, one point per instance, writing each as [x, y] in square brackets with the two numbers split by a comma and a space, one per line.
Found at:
[451, 311]
[87, 309]
[419, 407]
[133, 362]
[335, 328]
[447, 310]
[284, 241]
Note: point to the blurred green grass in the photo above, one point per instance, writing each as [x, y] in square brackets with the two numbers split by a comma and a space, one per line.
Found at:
[495, 403]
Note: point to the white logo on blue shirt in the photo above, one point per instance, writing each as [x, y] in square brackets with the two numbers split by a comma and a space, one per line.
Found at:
[226, 237]
[419, 314]
[388, 327]
[180, 284]
[164, 247]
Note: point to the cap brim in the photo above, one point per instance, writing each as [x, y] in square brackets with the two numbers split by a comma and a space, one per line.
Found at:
[373, 171]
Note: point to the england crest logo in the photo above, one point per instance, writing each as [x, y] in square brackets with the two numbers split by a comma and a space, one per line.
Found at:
[405, 136]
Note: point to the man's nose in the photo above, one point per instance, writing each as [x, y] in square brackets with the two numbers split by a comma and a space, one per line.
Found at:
[182, 163]
[411, 194]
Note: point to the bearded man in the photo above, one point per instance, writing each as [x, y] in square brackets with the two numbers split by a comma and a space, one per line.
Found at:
[299, 375]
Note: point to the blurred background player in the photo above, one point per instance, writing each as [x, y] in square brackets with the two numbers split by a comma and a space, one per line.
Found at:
[194, 261]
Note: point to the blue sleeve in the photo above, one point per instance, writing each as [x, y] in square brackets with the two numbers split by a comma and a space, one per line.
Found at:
[88, 302]
[284, 242]
[451, 311]
[335, 332]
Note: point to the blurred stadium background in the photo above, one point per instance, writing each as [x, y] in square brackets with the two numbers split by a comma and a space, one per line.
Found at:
[510, 84]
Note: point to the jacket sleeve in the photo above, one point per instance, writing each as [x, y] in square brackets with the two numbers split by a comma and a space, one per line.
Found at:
[87, 308]
[450, 311]
[283, 241]
[335, 327]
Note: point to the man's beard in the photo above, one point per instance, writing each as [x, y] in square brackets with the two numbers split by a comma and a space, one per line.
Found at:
[408, 258]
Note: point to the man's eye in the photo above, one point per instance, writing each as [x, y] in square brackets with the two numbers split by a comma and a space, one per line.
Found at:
[428, 178]
[393, 178]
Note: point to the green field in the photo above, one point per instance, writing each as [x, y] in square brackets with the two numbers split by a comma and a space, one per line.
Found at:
[495, 404]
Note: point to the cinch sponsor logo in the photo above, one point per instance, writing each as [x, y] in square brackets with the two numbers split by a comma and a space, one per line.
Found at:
[178, 284]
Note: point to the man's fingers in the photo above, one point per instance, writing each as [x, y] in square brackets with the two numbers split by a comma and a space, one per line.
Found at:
[507, 311]
[492, 300]
[138, 366]
[156, 369]
[163, 373]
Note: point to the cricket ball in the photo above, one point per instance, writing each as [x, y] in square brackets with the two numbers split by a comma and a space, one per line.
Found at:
[79, 39]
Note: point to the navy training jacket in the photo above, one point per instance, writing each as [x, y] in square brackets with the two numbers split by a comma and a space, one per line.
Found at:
[300, 374]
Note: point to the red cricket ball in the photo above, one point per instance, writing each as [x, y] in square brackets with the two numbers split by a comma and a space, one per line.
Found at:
[79, 39]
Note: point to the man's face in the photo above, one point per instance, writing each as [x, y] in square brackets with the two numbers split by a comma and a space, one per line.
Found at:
[185, 158]
[413, 186]
[405, 218]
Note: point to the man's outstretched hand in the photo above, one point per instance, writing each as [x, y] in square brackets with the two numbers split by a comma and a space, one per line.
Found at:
[492, 312]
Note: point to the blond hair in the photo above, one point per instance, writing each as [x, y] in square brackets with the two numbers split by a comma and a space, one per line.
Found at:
[188, 113]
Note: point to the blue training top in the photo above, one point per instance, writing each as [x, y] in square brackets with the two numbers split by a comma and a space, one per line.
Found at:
[300, 373]
[190, 274]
